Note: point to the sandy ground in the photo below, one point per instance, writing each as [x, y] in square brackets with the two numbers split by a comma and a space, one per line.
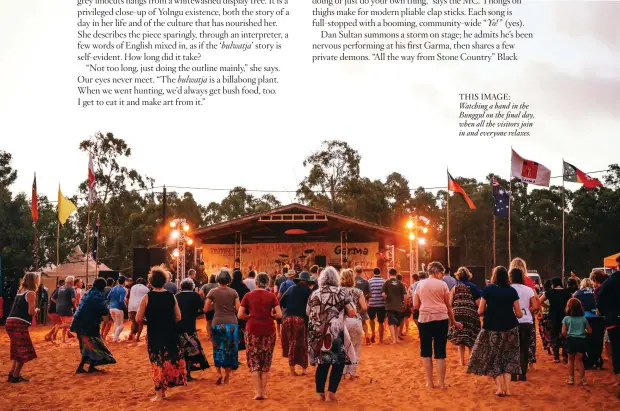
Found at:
[391, 377]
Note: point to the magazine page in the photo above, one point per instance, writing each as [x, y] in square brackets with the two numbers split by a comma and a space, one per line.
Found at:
[345, 197]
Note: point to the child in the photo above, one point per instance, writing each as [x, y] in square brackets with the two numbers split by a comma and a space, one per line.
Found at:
[574, 329]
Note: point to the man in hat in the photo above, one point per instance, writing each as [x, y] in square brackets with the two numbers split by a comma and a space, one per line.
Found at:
[290, 281]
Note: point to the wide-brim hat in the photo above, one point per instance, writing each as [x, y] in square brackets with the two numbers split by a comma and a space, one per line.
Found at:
[305, 276]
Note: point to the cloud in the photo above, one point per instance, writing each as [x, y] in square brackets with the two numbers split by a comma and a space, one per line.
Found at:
[597, 19]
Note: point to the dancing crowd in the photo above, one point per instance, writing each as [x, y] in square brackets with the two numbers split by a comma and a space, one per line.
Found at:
[323, 317]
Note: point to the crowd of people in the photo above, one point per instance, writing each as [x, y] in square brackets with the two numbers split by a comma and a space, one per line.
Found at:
[323, 318]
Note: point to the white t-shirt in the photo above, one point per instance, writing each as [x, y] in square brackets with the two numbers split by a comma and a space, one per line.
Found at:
[138, 291]
[525, 294]
[250, 283]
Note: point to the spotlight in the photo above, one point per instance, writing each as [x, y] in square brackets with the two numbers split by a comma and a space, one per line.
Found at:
[175, 253]
[412, 236]
[175, 234]
[190, 241]
[186, 227]
[409, 225]
[422, 241]
[173, 224]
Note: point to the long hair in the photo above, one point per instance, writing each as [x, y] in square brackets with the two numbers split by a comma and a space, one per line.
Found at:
[574, 308]
[500, 277]
[520, 264]
[31, 282]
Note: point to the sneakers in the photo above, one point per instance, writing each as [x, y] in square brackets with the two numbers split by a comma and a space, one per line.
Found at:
[571, 381]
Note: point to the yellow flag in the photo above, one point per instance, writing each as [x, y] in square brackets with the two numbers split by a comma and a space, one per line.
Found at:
[65, 207]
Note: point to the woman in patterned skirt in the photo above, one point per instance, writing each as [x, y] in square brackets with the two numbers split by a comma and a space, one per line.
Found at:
[328, 344]
[224, 328]
[190, 305]
[260, 308]
[295, 323]
[544, 328]
[86, 323]
[161, 311]
[354, 325]
[496, 351]
[17, 323]
[465, 298]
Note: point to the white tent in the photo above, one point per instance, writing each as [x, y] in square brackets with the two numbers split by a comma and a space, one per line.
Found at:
[75, 266]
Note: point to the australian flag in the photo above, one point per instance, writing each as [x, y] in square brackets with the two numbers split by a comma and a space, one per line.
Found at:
[501, 198]
[96, 240]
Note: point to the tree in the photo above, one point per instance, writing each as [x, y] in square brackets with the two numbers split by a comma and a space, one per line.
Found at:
[7, 174]
[238, 203]
[331, 168]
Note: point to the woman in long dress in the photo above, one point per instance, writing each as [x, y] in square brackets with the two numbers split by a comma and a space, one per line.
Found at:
[464, 298]
[496, 353]
[239, 286]
[224, 328]
[160, 311]
[190, 305]
[328, 345]
[354, 325]
[87, 325]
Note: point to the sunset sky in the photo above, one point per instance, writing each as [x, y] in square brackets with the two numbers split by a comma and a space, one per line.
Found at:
[400, 117]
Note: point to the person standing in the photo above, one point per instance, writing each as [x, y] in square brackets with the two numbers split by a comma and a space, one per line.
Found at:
[17, 324]
[362, 284]
[191, 274]
[250, 282]
[574, 329]
[558, 297]
[117, 307]
[86, 324]
[260, 308]
[204, 291]
[354, 325]
[138, 291]
[295, 324]
[529, 304]
[464, 300]
[79, 291]
[609, 306]
[65, 304]
[496, 353]
[376, 304]
[326, 309]
[239, 286]
[394, 292]
[190, 305]
[51, 336]
[432, 298]
[106, 321]
[224, 329]
[160, 312]
[171, 286]
[594, 340]
[42, 302]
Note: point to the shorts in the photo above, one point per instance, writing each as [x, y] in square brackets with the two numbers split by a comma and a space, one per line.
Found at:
[106, 318]
[209, 315]
[576, 345]
[394, 317]
[376, 312]
[433, 337]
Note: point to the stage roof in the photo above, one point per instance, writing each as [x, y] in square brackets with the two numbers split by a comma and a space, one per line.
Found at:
[297, 223]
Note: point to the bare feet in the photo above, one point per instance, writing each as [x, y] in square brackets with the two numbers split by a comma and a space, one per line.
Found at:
[430, 385]
[226, 379]
[442, 387]
[157, 397]
[219, 380]
[257, 397]
[321, 397]
[294, 374]
[304, 372]
[331, 397]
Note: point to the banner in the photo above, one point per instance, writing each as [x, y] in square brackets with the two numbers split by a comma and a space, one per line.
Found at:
[269, 257]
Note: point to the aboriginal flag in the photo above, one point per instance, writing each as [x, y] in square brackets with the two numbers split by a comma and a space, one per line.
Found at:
[574, 175]
[456, 188]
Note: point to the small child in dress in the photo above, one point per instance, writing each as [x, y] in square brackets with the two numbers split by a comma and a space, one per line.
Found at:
[574, 329]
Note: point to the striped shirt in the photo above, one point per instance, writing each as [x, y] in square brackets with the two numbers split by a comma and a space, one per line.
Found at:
[376, 287]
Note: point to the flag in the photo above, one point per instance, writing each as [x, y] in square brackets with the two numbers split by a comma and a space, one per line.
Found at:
[96, 239]
[574, 175]
[65, 207]
[501, 200]
[35, 200]
[91, 178]
[530, 171]
[456, 188]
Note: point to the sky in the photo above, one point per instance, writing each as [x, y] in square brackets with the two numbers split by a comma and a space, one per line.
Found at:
[400, 117]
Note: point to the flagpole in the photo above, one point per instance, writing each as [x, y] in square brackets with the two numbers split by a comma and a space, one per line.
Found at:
[448, 224]
[87, 241]
[563, 228]
[57, 245]
[494, 249]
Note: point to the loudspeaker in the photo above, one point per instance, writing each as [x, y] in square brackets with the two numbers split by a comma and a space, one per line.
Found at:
[141, 263]
[439, 253]
[478, 276]
[157, 256]
[320, 260]
[109, 274]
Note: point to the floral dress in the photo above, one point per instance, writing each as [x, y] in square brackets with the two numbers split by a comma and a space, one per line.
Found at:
[326, 330]
[465, 312]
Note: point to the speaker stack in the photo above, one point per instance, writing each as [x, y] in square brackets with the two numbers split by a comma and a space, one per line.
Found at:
[145, 258]
[440, 254]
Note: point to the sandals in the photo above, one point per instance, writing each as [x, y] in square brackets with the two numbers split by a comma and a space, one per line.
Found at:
[219, 380]
[571, 381]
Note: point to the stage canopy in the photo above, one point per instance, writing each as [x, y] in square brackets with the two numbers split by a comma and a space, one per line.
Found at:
[610, 262]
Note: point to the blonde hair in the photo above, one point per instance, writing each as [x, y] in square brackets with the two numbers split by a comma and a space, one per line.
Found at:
[520, 264]
[347, 279]
[586, 283]
[463, 274]
[31, 282]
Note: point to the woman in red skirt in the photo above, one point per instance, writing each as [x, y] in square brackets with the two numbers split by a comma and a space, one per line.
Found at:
[17, 325]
